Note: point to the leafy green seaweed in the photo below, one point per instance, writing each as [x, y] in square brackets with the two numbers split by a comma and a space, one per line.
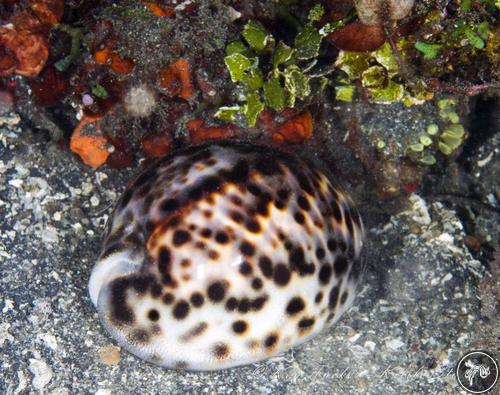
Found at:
[274, 75]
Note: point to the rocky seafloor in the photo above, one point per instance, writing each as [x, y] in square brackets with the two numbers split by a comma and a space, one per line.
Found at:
[424, 303]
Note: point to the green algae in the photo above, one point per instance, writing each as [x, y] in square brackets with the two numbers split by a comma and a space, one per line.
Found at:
[275, 75]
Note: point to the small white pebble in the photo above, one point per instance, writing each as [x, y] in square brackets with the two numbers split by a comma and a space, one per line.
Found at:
[49, 235]
[59, 391]
[484, 162]
[445, 238]
[42, 373]
[22, 382]
[16, 182]
[492, 199]
[77, 227]
[100, 176]
[353, 339]
[8, 305]
[446, 278]
[394, 344]
[370, 345]
[103, 391]
[4, 334]
[360, 352]
[233, 14]
[75, 191]
[420, 211]
[57, 216]
[140, 101]
[87, 188]
[94, 201]
[49, 340]
[42, 186]
[55, 275]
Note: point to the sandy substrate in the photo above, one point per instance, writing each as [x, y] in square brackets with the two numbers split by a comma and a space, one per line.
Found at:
[425, 302]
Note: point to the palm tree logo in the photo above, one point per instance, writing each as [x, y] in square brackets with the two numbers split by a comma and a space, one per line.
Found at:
[473, 370]
[477, 372]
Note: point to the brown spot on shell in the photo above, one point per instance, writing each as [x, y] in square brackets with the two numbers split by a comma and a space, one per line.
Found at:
[121, 313]
[253, 345]
[181, 310]
[247, 248]
[153, 315]
[337, 212]
[271, 340]
[331, 244]
[206, 233]
[181, 365]
[156, 290]
[348, 222]
[333, 298]
[298, 262]
[252, 226]
[197, 330]
[207, 214]
[239, 326]
[340, 266]
[236, 216]
[181, 237]
[221, 351]
[299, 218]
[236, 200]
[200, 245]
[139, 336]
[306, 324]
[259, 302]
[197, 299]
[155, 329]
[303, 203]
[168, 298]
[221, 237]
[246, 269]
[244, 305]
[344, 297]
[169, 205]
[217, 291]
[266, 266]
[257, 283]
[281, 275]
[213, 255]
[232, 304]
[325, 273]
[295, 305]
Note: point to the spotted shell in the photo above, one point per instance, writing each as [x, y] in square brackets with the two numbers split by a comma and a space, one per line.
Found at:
[226, 254]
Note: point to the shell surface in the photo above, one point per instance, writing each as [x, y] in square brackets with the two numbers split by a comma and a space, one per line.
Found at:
[226, 254]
